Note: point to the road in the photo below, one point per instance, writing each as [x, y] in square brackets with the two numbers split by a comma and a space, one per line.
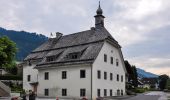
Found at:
[154, 95]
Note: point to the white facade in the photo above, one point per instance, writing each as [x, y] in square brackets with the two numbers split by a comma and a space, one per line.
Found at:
[29, 70]
[107, 67]
[73, 83]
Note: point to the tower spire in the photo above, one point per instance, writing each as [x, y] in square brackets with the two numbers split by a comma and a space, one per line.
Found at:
[99, 18]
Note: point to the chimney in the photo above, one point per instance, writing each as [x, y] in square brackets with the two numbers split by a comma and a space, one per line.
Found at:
[58, 35]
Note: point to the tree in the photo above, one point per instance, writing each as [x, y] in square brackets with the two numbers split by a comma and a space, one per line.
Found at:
[7, 52]
[132, 74]
[162, 81]
[135, 76]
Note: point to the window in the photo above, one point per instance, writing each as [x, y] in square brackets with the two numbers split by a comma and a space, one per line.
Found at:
[111, 60]
[64, 74]
[46, 92]
[105, 92]
[117, 62]
[82, 74]
[105, 75]
[98, 74]
[74, 55]
[105, 58]
[117, 77]
[46, 75]
[121, 92]
[111, 76]
[29, 63]
[111, 94]
[98, 92]
[28, 78]
[82, 92]
[51, 58]
[64, 92]
[121, 78]
[118, 92]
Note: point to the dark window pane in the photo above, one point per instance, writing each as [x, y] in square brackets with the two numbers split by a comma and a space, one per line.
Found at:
[64, 74]
[117, 62]
[99, 74]
[121, 78]
[98, 92]
[111, 60]
[64, 92]
[105, 75]
[111, 76]
[105, 58]
[82, 74]
[29, 78]
[82, 92]
[117, 77]
[111, 92]
[105, 92]
[46, 92]
[46, 75]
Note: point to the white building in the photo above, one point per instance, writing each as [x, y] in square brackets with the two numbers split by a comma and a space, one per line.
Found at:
[88, 63]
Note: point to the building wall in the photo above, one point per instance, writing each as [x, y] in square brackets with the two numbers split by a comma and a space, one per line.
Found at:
[28, 70]
[72, 83]
[99, 64]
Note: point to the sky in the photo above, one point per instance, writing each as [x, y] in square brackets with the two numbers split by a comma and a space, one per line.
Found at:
[142, 27]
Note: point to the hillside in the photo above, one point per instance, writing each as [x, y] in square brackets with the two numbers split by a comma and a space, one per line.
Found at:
[25, 41]
[143, 74]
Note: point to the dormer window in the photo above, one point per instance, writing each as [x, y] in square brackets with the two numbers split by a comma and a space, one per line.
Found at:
[51, 58]
[74, 55]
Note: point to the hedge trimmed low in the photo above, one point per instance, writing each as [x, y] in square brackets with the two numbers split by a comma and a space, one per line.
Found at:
[10, 77]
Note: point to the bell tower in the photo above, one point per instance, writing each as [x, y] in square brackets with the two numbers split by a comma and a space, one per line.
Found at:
[99, 18]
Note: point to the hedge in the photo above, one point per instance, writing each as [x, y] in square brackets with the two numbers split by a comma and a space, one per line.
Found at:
[10, 77]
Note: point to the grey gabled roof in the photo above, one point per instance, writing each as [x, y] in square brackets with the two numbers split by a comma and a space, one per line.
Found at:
[90, 41]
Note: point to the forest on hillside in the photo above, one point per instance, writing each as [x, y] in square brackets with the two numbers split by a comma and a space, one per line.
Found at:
[25, 41]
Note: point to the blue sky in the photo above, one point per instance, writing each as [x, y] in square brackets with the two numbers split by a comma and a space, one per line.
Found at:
[142, 27]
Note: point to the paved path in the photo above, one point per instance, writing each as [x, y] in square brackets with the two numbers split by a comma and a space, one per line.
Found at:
[154, 95]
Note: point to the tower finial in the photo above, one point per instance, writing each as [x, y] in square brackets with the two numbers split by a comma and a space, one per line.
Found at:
[99, 10]
[99, 3]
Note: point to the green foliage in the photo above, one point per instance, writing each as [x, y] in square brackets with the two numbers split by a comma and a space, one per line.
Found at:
[132, 75]
[168, 84]
[10, 77]
[139, 90]
[12, 70]
[162, 81]
[7, 52]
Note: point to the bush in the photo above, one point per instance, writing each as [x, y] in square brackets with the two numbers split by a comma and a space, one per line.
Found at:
[10, 77]
[139, 90]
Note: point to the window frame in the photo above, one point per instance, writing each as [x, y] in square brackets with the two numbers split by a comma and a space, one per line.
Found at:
[46, 92]
[81, 73]
[105, 58]
[111, 76]
[105, 75]
[64, 74]
[64, 92]
[117, 62]
[28, 78]
[46, 75]
[111, 60]
[118, 77]
[98, 92]
[105, 92]
[99, 74]
[82, 92]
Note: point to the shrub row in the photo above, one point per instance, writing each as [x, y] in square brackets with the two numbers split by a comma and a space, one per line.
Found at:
[10, 77]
